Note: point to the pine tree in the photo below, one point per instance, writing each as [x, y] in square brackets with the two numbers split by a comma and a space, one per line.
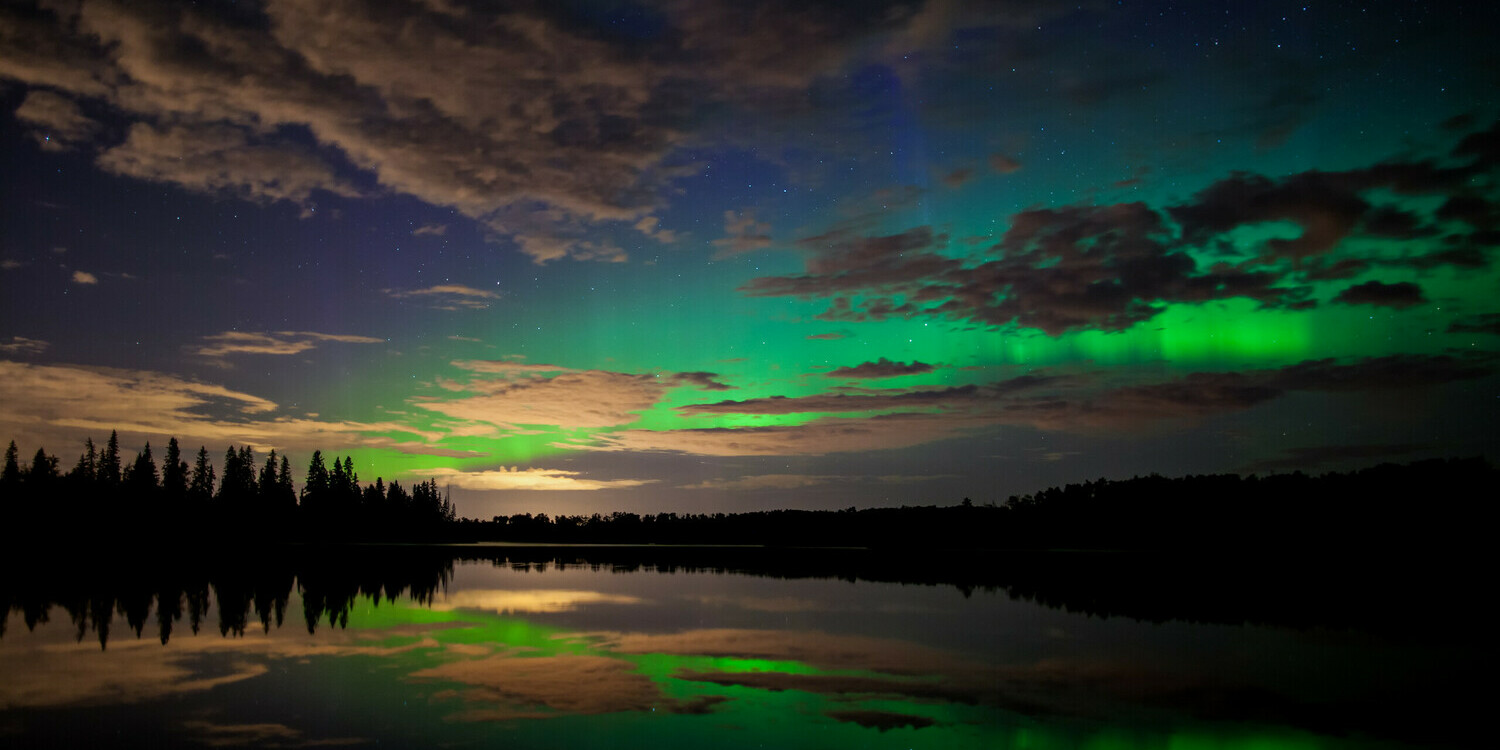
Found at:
[109, 463]
[201, 486]
[268, 486]
[174, 474]
[285, 491]
[86, 471]
[142, 480]
[315, 489]
[43, 469]
[11, 476]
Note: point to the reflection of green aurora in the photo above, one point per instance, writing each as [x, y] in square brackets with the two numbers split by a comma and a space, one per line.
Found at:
[515, 677]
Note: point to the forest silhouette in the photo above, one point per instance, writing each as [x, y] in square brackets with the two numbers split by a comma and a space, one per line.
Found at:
[101, 499]
[102, 503]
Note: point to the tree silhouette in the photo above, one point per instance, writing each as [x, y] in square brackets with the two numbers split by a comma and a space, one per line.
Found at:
[174, 476]
[142, 481]
[201, 486]
[109, 462]
[11, 476]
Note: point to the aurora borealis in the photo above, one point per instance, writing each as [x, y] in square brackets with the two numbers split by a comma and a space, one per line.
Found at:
[577, 257]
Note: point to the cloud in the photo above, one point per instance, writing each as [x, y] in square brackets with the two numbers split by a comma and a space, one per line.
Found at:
[510, 395]
[85, 278]
[743, 233]
[448, 296]
[56, 121]
[514, 479]
[648, 226]
[529, 122]
[881, 720]
[268, 734]
[705, 381]
[765, 482]
[1400, 295]
[1487, 323]
[798, 481]
[223, 159]
[59, 405]
[430, 230]
[23, 345]
[273, 342]
[902, 418]
[951, 398]
[827, 336]
[505, 687]
[1004, 164]
[818, 649]
[527, 601]
[958, 177]
[882, 368]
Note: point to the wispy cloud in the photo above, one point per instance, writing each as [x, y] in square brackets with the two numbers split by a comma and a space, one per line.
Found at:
[743, 233]
[448, 296]
[514, 395]
[798, 481]
[84, 277]
[23, 345]
[516, 478]
[58, 405]
[273, 342]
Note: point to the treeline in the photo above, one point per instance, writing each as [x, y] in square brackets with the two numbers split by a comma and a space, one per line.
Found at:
[1425, 504]
[101, 493]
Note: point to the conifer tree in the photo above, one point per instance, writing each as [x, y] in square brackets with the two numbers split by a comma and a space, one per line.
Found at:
[109, 463]
[11, 476]
[286, 492]
[86, 471]
[268, 480]
[315, 489]
[201, 486]
[142, 480]
[43, 469]
[174, 474]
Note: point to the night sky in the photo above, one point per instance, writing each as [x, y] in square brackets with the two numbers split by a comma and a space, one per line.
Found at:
[715, 256]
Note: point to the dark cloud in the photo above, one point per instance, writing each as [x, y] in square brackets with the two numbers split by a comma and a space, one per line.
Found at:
[705, 381]
[882, 720]
[881, 368]
[534, 121]
[1326, 209]
[1399, 295]
[950, 399]
[1004, 164]
[1378, 373]
[1487, 323]
[1393, 223]
[958, 177]
[1109, 267]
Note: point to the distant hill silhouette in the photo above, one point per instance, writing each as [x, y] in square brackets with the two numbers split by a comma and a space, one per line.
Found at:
[1425, 504]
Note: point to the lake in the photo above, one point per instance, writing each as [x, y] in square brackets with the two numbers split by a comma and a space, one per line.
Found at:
[723, 648]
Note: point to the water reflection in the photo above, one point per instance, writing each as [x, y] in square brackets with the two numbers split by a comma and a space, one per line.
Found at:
[420, 646]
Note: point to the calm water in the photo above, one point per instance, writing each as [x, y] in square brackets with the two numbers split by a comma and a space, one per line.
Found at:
[507, 650]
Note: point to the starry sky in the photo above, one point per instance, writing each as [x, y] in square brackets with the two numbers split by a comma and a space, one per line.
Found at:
[716, 256]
